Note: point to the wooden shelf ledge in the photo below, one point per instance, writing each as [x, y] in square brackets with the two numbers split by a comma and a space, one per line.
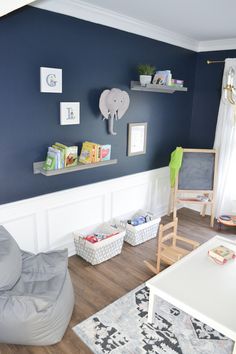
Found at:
[38, 167]
[135, 86]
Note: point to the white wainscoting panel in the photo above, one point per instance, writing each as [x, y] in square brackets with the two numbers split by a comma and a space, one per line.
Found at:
[47, 222]
[126, 199]
[65, 219]
[24, 231]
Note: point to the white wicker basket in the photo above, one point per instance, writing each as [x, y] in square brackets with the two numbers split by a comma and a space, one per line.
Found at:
[136, 235]
[101, 251]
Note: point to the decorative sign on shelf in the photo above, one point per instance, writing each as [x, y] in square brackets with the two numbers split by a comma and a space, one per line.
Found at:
[50, 80]
[69, 113]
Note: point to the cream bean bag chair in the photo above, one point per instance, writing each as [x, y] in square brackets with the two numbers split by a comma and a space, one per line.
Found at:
[36, 294]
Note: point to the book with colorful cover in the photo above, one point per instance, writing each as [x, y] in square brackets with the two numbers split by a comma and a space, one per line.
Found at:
[58, 156]
[62, 148]
[50, 162]
[105, 152]
[98, 153]
[86, 153]
[177, 83]
[90, 152]
[62, 154]
[71, 156]
[221, 254]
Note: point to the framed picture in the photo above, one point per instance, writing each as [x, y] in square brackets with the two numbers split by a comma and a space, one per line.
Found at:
[50, 80]
[137, 139]
[69, 113]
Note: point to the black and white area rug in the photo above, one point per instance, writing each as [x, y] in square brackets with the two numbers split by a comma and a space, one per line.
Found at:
[122, 328]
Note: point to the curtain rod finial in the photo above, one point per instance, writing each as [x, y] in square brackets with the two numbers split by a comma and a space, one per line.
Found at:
[214, 61]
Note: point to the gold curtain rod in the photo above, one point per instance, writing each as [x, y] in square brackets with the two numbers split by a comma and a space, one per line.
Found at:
[215, 61]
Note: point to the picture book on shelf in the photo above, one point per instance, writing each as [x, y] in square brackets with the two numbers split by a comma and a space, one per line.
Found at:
[57, 154]
[161, 77]
[92, 152]
[71, 156]
[50, 162]
[88, 153]
[62, 149]
[61, 156]
[177, 83]
[105, 152]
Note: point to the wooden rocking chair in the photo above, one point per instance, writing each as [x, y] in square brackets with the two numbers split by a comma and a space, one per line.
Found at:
[170, 253]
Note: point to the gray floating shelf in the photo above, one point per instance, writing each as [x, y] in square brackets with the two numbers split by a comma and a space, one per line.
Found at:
[38, 167]
[135, 86]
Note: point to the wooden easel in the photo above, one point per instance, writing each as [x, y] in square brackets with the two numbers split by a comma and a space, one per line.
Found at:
[176, 198]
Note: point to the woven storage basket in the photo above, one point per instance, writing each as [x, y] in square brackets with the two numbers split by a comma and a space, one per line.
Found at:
[101, 251]
[136, 235]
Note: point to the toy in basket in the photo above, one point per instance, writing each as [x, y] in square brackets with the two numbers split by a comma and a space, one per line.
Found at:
[140, 227]
[98, 244]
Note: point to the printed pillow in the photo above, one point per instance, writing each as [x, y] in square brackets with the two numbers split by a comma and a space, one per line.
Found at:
[10, 260]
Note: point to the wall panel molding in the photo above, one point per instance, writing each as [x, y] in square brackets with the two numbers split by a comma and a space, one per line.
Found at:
[25, 231]
[46, 222]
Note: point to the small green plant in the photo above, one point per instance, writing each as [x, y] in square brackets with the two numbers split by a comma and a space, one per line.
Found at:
[146, 69]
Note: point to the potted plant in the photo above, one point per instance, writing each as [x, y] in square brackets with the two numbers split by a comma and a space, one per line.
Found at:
[145, 73]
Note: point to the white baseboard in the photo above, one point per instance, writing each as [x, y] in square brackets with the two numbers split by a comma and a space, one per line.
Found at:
[47, 222]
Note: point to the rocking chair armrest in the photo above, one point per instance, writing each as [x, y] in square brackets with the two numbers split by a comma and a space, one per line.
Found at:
[195, 244]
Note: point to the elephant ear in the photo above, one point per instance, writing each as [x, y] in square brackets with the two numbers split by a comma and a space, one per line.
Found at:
[124, 104]
[103, 103]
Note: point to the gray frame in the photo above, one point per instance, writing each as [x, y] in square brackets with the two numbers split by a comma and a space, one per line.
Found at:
[143, 151]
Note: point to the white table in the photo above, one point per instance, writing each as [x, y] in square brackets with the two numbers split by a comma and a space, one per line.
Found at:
[201, 288]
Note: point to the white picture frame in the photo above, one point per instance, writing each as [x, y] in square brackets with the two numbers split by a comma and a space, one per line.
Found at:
[137, 139]
[69, 113]
[50, 80]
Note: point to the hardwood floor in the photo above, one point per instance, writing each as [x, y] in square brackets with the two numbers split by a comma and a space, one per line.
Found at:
[97, 286]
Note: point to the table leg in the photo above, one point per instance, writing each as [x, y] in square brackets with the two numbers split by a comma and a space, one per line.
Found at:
[151, 311]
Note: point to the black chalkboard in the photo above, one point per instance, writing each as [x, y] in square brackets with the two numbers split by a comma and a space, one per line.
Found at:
[197, 171]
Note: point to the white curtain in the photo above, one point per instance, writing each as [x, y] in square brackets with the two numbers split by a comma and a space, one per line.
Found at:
[225, 143]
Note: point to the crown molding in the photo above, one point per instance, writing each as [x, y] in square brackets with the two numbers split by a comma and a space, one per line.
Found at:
[220, 44]
[82, 10]
[88, 12]
[9, 6]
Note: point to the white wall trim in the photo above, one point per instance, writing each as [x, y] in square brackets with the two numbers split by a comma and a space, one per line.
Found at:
[11, 5]
[92, 13]
[47, 222]
[221, 44]
[89, 12]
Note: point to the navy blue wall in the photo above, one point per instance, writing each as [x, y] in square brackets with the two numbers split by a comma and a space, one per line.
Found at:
[207, 93]
[93, 58]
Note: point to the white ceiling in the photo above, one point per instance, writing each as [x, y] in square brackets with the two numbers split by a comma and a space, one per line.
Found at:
[196, 25]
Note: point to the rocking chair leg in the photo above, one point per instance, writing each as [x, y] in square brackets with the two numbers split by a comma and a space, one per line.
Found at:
[151, 267]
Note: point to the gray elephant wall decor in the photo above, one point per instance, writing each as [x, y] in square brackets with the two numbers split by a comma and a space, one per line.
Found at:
[113, 104]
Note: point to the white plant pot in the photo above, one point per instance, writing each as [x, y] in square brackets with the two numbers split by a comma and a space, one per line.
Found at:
[145, 79]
